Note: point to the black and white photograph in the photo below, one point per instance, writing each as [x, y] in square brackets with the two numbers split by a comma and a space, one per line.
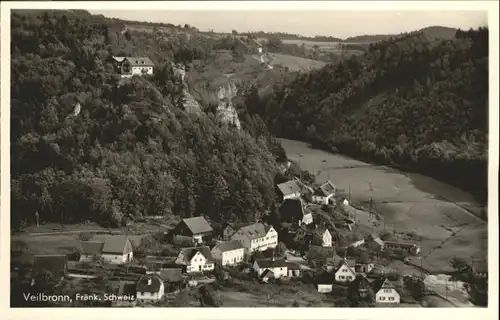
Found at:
[248, 158]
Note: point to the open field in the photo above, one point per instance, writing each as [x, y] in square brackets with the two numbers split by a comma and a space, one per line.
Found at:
[282, 295]
[408, 203]
[295, 63]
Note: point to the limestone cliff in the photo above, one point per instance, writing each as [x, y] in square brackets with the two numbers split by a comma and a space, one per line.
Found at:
[226, 112]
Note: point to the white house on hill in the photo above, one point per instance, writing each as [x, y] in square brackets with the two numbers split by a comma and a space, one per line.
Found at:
[131, 66]
[256, 237]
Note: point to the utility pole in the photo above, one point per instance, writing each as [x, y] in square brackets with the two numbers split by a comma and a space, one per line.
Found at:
[421, 269]
[370, 214]
[349, 192]
[37, 219]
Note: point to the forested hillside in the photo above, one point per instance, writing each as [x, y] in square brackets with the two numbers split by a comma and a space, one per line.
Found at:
[86, 145]
[410, 101]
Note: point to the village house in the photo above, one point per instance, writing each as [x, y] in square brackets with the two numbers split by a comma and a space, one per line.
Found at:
[344, 223]
[127, 291]
[324, 193]
[289, 190]
[372, 242]
[385, 292]
[345, 272]
[324, 287]
[267, 275]
[279, 267]
[196, 259]
[115, 249]
[130, 66]
[228, 253]
[56, 265]
[364, 267]
[91, 250]
[150, 287]
[360, 288]
[322, 237]
[228, 229]
[194, 229]
[173, 279]
[257, 237]
[295, 211]
[294, 270]
[410, 248]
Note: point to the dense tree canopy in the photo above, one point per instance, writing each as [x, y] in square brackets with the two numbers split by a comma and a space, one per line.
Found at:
[410, 101]
[129, 151]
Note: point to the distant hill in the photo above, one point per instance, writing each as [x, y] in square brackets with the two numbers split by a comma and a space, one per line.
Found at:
[432, 32]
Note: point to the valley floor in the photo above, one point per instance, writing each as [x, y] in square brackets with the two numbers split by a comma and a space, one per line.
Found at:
[442, 216]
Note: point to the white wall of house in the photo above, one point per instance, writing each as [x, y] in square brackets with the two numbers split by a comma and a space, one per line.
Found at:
[233, 257]
[307, 219]
[259, 244]
[345, 274]
[199, 264]
[151, 296]
[117, 258]
[325, 288]
[86, 257]
[293, 273]
[229, 258]
[278, 271]
[294, 195]
[327, 239]
[138, 70]
[264, 243]
[321, 200]
[197, 238]
[387, 296]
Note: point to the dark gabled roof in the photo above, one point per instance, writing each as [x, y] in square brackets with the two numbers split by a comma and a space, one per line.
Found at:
[289, 187]
[117, 244]
[198, 225]
[293, 266]
[145, 285]
[126, 289]
[267, 273]
[294, 208]
[325, 189]
[270, 263]
[187, 254]
[229, 246]
[140, 61]
[361, 281]
[383, 283]
[256, 230]
[154, 266]
[92, 247]
[171, 275]
[55, 264]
